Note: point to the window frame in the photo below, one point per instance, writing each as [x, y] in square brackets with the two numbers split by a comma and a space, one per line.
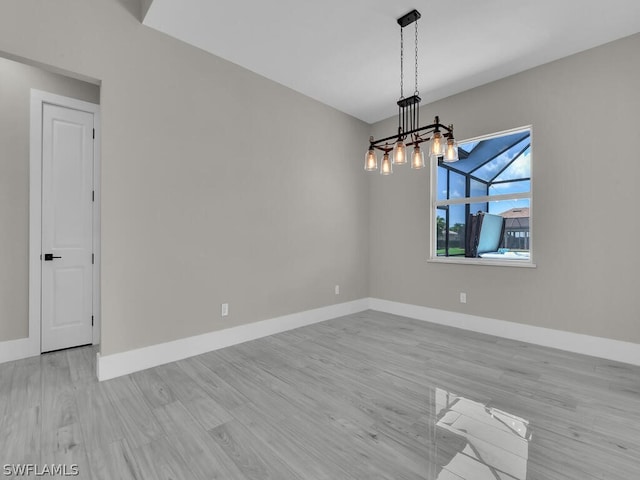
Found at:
[436, 204]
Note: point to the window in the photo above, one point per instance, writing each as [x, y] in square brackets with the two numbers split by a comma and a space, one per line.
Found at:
[492, 179]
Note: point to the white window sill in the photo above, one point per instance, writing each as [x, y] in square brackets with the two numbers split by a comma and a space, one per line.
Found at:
[483, 261]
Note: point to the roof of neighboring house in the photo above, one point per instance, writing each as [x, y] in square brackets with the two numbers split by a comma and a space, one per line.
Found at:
[522, 212]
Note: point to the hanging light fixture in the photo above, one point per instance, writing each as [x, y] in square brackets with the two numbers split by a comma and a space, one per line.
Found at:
[405, 146]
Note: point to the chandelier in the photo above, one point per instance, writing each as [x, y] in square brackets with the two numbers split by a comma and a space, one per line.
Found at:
[396, 148]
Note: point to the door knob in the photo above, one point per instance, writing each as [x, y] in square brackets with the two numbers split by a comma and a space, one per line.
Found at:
[49, 256]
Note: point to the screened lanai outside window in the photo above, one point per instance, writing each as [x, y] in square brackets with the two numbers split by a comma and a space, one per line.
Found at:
[493, 176]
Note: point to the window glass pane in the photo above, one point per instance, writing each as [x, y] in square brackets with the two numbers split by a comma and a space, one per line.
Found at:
[457, 185]
[491, 148]
[457, 222]
[520, 168]
[442, 183]
[456, 215]
[516, 215]
[494, 167]
[441, 215]
[478, 189]
[478, 207]
[450, 234]
[510, 187]
[514, 244]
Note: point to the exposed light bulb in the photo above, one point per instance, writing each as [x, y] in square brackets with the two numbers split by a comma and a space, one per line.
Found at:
[371, 161]
[437, 145]
[399, 153]
[417, 159]
[386, 168]
[451, 152]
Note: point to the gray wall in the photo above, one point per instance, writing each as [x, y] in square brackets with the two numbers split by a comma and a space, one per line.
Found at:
[584, 110]
[202, 205]
[217, 184]
[16, 81]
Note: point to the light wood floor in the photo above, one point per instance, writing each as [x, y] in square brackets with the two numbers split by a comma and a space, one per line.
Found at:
[370, 396]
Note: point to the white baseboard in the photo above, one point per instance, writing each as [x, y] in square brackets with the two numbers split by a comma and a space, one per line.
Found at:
[11, 350]
[617, 350]
[115, 365]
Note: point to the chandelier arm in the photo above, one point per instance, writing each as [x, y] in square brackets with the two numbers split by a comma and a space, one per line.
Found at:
[383, 148]
[433, 127]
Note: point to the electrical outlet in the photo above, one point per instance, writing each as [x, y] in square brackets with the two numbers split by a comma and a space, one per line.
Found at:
[225, 309]
[337, 289]
[463, 297]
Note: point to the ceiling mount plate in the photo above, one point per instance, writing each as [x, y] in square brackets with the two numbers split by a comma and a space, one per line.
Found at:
[409, 18]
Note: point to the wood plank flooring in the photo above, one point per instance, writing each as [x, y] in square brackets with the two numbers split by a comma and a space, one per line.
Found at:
[369, 396]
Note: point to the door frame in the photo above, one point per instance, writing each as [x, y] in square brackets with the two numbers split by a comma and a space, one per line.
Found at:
[38, 99]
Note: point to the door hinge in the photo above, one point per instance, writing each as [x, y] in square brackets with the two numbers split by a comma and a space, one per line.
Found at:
[93, 257]
[93, 195]
[94, 133]
[92, 320]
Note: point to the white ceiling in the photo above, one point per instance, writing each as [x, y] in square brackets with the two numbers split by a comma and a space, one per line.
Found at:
[346, 53]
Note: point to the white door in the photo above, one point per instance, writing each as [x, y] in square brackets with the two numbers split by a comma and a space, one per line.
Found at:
[67, 227]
